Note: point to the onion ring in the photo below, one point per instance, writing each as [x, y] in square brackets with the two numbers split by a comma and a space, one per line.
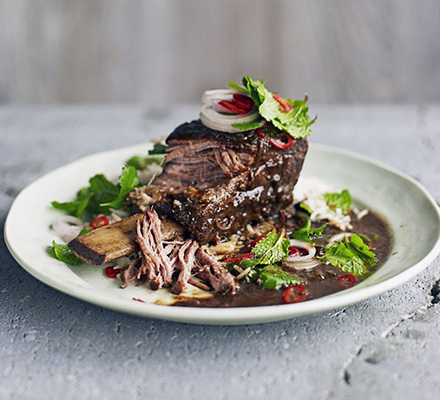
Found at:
[68, 227]
[339, 237]
[311, 249]
[302, 265]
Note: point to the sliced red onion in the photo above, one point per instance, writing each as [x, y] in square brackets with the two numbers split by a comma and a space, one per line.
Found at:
[339, 237]
[302, 265]
[301, 244]
[218, 94]
[68, 227]
[219, 118]
[220, 122]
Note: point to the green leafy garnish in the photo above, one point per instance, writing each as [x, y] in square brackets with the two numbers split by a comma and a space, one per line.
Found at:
[90, 198]
[101, 194]
[141, 163]
[248, 126]
[127, 182]
[75, 208]
[295, 122]
[158, 148]
[271, 249]
[351, 255]
[306, 232]
[63, 253]
[84, 231]
[339, 200]
[305, 208]
[237, 86]
[272, 277]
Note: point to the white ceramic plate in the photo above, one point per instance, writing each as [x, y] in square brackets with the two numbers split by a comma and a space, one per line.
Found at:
[410, 211]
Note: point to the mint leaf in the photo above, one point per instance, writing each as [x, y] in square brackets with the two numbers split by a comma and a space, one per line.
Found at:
[306, 232]
[361, 249]
[248, 126]
[295, 122]
[272, 248]
[352, 255]
[272, 277]
[63, 253]
[339, 200]
[127, 182]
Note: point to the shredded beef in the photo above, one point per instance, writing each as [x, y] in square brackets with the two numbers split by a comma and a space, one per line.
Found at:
[155, 263]
[211, 271]
[159, 261]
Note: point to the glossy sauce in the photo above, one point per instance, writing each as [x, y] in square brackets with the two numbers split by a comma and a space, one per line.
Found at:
[319, 281]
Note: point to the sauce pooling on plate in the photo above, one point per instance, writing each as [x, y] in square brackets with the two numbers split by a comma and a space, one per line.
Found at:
[322, 280]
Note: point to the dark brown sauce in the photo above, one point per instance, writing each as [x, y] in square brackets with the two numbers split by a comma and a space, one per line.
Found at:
[318, 282]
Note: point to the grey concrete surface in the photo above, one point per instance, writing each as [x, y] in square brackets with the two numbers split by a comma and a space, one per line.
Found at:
[53, 346]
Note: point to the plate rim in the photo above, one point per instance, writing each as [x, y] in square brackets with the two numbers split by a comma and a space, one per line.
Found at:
[233, 315]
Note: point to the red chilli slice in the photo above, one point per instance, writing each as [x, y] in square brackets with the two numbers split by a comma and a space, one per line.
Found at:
[284, 104]
[100, 220]
[232, 107]
[111, 272]
[136, 299]
[294, 294]
[347, 280]
[239, 258]
[285, 141]
[243, 101]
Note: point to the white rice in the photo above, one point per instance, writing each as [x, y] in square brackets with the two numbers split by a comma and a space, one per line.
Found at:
[310, 192]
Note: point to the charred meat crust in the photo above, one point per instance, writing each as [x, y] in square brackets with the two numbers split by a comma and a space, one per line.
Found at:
[214, 183]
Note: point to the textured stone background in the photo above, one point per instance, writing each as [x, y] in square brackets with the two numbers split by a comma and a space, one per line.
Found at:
[53, 346]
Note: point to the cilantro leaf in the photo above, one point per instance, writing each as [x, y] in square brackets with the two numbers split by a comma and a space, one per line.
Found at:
[127, 182]
[339, 200]
[272, 248]
[101, 194]
[63, 253]
[75, 208]
[295, 122]
[272, 277]
[351, 255]
[306, 232]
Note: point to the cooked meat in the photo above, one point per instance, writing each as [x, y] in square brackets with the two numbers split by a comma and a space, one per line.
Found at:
[130, 275]
[155, 263]
[185, 258]
[214, 183]
[212, 272]
[117, 240]
[159, 261]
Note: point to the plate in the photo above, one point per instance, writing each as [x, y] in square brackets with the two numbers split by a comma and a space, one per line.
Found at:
[410, 211]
